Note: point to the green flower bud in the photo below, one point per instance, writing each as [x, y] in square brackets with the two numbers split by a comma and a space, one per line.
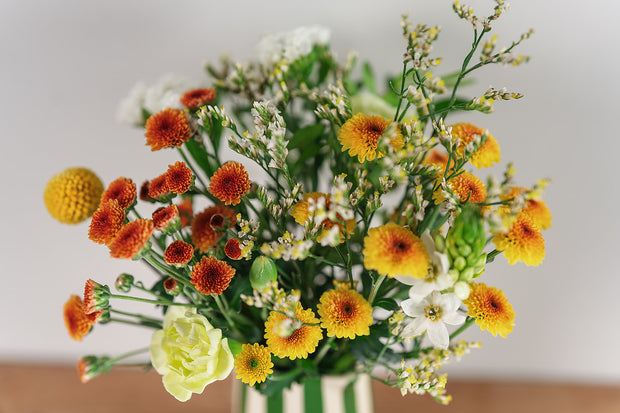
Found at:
[124, 282]
[262, 272]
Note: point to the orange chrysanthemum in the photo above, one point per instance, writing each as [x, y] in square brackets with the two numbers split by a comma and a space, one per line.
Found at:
[536, 208]
[77, 322]
[123, 190]
[230, 183]
[360, 136]
[437, 158]
[131, 238]
[198, 97]
[167, 129]
[522, 242]
[144, 192]
[212, 276]
[165, 216]
[486, 155]
[468, 187]
[301, 214]
[178, 253]
[394, 250]
[186, 211]
[72, 195]
[293, 338]
[232, 249]
[345, 313]
[179, 178]
[253, 364]
[158, 187]
[204, 236]
[106, 222]
[491, 309]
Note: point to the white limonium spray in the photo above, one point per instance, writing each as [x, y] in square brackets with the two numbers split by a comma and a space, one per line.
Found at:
[431, 314]
[290, 46]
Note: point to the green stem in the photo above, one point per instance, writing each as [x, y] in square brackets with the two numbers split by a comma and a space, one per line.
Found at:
[402, 90]
[465, 326]
[129, 354]
[141, 317]
[146, 300]
[323, 351]
[133, 323]
[375, 288]
[224, 311]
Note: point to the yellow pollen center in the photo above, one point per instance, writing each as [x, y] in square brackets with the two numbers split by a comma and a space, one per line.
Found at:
[433, 312]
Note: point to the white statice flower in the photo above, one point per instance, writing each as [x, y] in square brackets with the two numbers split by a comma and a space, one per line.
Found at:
[431, 314]
[437, 278]
[290, 46]
[129, 110]
[166, 92]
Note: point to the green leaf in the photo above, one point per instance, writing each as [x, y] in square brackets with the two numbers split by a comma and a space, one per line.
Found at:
[442, 105]
[368, 78]
[306, 135]
[199, 154]
[387, 304]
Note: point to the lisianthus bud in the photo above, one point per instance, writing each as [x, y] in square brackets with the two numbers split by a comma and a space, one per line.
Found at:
[124, 282]
[172, 287]
[262, 272]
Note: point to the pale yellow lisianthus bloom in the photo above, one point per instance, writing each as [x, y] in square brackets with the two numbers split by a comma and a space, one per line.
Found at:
[189, 353]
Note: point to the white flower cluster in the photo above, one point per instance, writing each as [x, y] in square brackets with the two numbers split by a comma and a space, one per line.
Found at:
[270, 132]
[419, 44]
[333, 104]
[165, 93]
[290, 46]
[287, 248]
[274, 298]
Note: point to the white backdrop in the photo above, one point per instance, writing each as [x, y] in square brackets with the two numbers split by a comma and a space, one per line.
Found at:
[65, 65]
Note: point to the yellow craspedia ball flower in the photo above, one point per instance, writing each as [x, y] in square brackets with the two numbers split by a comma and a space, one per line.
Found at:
[72, 195]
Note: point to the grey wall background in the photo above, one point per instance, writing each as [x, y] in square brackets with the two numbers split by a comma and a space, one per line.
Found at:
[65, 65]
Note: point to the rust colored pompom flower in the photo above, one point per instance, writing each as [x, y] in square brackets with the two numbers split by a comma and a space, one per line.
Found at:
[212, 276]
[360, 136]
[490, 308]
[394, 250]
[179, 178]
[72, 195]
[468, 187]
[522, 242]
[106, 222]
[186, 211]
[166, 217]
[158, 187]
[204, 236]
[198, 97]
[144, 192]
[232, 249]
[123, 190]
[77, 322]
[167, 129]
[178, 253]
[96, 297]
[131, 238]
[487, 154]
[345, 313]
[230, 183]
[293, 338]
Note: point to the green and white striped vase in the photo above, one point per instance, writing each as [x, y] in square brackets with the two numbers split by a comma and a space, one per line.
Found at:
[328, 394]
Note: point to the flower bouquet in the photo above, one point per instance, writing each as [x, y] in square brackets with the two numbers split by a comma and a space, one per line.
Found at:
[343, 230]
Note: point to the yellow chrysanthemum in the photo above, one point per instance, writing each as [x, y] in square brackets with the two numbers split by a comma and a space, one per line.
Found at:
[468, 188]
[394, 250]
[293, 338]
[253, 364]
[300, 213]
[522, 242]
[345, 313]
[72, 195]
[491, 309]
[360, 136]
[536, 208]
[486, 155]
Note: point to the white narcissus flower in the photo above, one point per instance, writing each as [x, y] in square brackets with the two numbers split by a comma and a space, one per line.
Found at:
[437, 278]
[431, 314]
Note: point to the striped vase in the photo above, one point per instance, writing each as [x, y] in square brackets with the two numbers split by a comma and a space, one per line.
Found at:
[328, 394]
